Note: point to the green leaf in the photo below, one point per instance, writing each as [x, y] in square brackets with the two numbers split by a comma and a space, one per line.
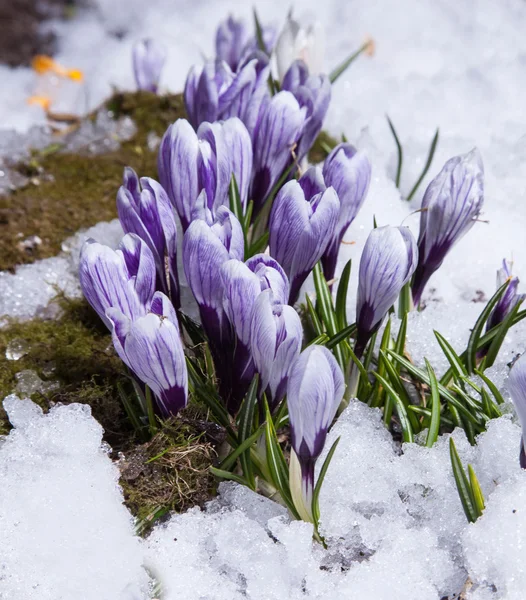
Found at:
[463, 486]
[341, 296]
[474, 338]
[490, 408]
[345, 64]
[316, 323]
[228, 475]
[501, 334]
[399, 151]
[152, 421]
[426, 412]
[405, 301]
[319, 482]
[344, 334]
[452, 357]
[434, 426]
[376, 397]
[494, 389]
[321, 340]
[230, 460]
[402, 333]
[245, 423]
[131, 411]
[193, 329]
[258, 246]
[429, 160]
[248, 215]
[478, 497]
[407, 431]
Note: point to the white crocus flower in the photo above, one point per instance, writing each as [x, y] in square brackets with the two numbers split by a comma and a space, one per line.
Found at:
[295, 42]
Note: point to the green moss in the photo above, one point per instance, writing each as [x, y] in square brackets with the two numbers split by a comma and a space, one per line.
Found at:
[71, 191]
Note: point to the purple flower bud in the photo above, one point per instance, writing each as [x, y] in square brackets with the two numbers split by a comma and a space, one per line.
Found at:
[517, 388]
[189, 163]
[214, 92]
[206, 246]
[314, 93]
[451, 205]
[231, 38]
[122, 278]
[508, 300]
[314, 392]
[276, 135]
[276, 335]
[148, 58]
[301, 225]
[242, 284]
[151, 346]
[387, 263]
[149, 214]
[348, 171]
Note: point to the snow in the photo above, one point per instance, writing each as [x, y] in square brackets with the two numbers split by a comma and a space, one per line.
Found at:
[391, 516]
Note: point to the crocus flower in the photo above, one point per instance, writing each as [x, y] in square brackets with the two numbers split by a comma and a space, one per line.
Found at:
[151, 346]
[277, 133]
[231, 39]
[150, 215]
[508, 300]
[214, 92]
[451, 205]
[189, 163]
[295, 42]
[314, 392]
[276, 335]
[206, 246]
[242, 284]
[387, 263]
[314, 93]
[148, 57]
[348, 171]
[122, 278]
[302, 223]
[517, 388]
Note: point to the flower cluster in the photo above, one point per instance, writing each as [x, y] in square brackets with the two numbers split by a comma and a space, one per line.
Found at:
[238, 206]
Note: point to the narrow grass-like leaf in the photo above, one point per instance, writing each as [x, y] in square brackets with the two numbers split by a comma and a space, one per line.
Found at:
[452, 357]
[402, 333]
[476, 333]
[131, 411]
[434, 425]
[463, 486]
[258, 246]
[501, 334]
[320, 340]
[326, 310]
[152, 422]
[345, 64]
[478, 497]
[399, 151]
[219, 473]
[427, 413]
[405, 300]
[344, 334]
[378, 393]
[229, 461]
[407, 431]
[341, 296]
[494, 389]
[429, 160]
[245, 424]
[248, 215]
[319, 482]
[315, 319]
[494, 411]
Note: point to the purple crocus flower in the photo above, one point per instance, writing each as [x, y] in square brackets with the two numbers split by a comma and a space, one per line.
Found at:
[151, 346]
[387, 263]
[276, 335]
[189, 163]
[148, 58]
[348, 171]
[242, 284]
[314, 93]
[451, 205]
[276, 135]
[314, 392]
[214, 92]
[206, 246]
[301, 226]
[150, 215]
[231, 39]
[122, 278]
[508, 300]
[517, 388]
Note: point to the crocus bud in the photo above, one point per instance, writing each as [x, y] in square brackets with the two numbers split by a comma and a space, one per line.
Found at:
[517, 388]
[276, 335]
[122, 278]
[206, 246]
[387, 263]
[297, 43]
[302, 223]
[277, 133]
[242, 284]
[314, 392]
[508, 300]
[451, 205]
[189, 163]
[231, 38]
[151, 346]
[148, 58]
[214, 92]
[314, 93]
[348, 171]
[150, 215]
